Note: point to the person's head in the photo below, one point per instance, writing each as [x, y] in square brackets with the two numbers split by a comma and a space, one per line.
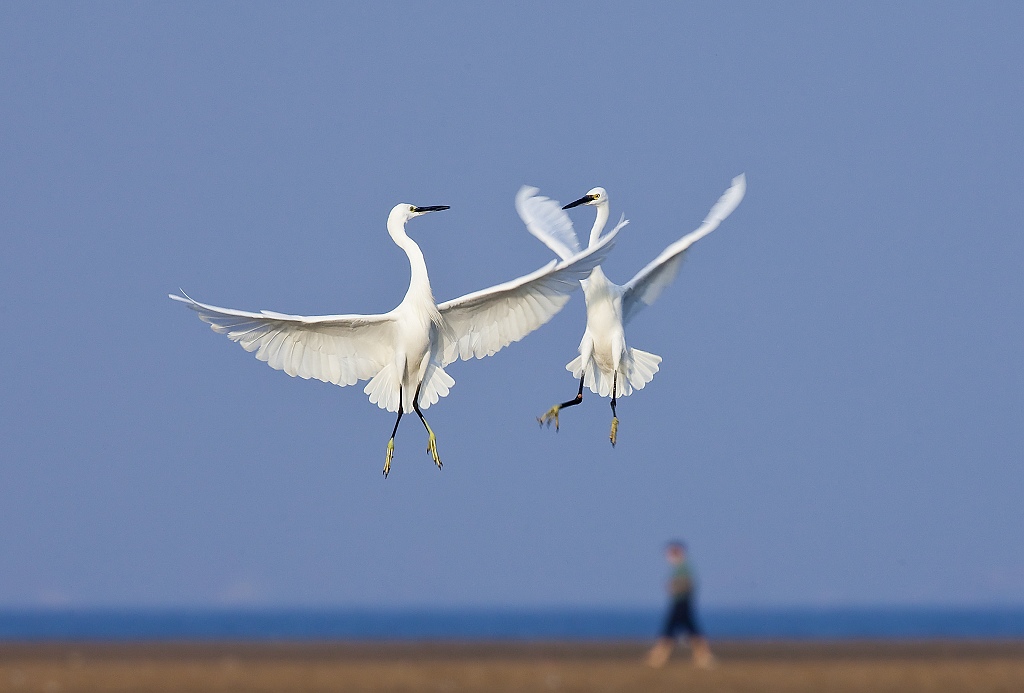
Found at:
[675, 552]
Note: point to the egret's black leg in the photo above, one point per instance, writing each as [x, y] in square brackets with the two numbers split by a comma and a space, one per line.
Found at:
[391, 443]
[615, 418]
[552, 413]
[431, 440]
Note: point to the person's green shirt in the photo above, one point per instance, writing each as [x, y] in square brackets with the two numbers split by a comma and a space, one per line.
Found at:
[682, 581]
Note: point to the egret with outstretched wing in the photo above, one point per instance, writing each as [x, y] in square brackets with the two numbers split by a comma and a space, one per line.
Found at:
[606, 364]
[403, 352]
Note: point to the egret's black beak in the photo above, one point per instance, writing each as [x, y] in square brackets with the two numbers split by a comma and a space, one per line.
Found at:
[583, 200]
[435, 208]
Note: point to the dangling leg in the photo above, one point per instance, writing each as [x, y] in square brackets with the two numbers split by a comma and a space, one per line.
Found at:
[431, 440]
[615, 419]
[660, 653]
[666, 642]
[391, 443]
[552, 413]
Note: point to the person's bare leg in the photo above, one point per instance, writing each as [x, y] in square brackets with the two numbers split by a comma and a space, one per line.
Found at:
[702, 656]
[660, 653]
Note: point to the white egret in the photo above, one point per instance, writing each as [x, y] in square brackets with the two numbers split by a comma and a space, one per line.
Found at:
[606, 364]
[403, 352]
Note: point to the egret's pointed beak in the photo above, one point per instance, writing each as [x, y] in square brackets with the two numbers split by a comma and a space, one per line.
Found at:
[582, 201]
[435, 208]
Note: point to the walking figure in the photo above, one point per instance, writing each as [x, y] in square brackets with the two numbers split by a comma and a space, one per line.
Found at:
[681, 587]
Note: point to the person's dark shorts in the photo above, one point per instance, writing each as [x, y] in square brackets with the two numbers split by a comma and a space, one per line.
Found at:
[681, 618]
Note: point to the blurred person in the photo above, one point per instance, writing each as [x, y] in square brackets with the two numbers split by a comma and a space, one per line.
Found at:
[681, 587]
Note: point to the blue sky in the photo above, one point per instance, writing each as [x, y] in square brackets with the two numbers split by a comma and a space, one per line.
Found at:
[838, 415]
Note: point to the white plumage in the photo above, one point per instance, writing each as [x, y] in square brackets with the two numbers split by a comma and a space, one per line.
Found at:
[606, 364]
[403, 352]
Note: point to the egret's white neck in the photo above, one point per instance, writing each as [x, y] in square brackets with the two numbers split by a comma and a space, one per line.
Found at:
[602, 219]
[596, 279]
[419, 283]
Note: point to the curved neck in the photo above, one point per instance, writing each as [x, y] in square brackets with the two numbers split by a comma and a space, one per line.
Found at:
[602, 219]
[419, 282]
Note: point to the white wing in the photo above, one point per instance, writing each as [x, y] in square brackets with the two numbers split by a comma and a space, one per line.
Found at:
[623, 221]
[546, 220]
[339, 349]
[644, 289]
[484, 322]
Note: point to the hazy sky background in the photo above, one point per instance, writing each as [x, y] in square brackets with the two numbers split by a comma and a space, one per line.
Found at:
[838, 418]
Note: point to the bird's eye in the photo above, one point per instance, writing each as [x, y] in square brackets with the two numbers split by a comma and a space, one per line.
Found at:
[596, 196]
[411, 208]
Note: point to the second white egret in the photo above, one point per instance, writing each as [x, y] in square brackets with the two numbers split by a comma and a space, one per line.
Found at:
[606, 365]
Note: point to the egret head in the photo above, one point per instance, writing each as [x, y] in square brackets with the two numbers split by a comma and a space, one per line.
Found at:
[404, 212]
[595, 196]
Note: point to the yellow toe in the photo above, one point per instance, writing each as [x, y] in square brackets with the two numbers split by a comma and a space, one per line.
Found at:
[432, 449]
[388, 456]
[550, 415]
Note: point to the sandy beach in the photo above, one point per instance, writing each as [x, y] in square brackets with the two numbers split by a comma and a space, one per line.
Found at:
[371, 667]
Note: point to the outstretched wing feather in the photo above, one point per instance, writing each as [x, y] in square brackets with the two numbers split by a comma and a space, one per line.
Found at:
[339, 349]
[645, 288]
[484, 322]
[546, 220]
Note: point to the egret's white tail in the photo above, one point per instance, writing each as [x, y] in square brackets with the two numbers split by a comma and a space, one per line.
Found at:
[436, 384]
[636, 370]
[642, 368]
[385, 388]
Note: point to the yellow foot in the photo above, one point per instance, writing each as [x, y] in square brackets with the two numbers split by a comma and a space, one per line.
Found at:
[549, 416]
[615, 430]
[432, 448]
[388, 456]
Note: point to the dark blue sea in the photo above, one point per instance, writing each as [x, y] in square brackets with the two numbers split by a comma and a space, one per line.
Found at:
[491, 624]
